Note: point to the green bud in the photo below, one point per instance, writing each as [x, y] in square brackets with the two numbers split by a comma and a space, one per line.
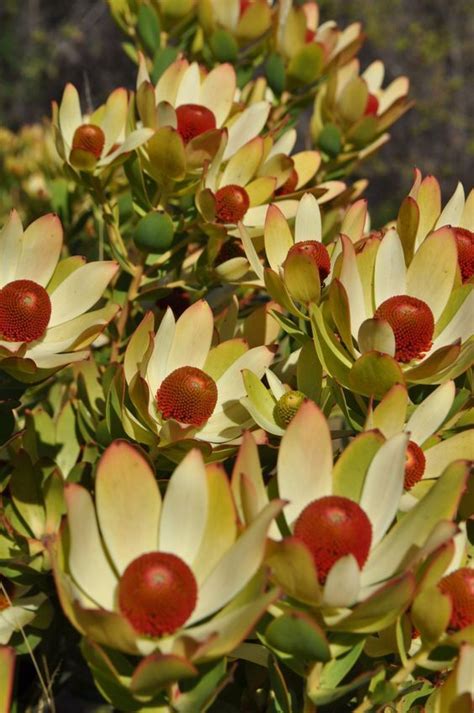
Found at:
[307, 64]
[329, 140]
[275, 73]
[287, 406]
[154, 233]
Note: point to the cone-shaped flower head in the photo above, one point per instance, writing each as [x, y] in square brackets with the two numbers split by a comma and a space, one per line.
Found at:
[288, 251]
[93, 142]
[251, 176]
[412, 323]
[426, 456]
[414, 465]
[333, 527]
[419, 317]
[459, 586]
[188, 395]
[465, 245]
[194, 390]
[425, 203]
[195, 102]
[355, 114]
[157, 593]
[43, 308]
[153, 570]
[368, 554]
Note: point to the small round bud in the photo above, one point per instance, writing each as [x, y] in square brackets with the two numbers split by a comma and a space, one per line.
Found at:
[317, 252]
[287, 407]
[154, 233]
[87, 145]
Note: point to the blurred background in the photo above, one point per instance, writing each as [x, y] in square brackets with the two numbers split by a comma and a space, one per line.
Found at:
[45, 43]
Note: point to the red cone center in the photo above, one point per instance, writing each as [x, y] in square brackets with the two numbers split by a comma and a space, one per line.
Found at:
[232, 203]
[157, 593]
[188, 395]
[415, 462]
[90, 138]
[331, 528]
[465, 245]
[317, 252]
[25, 310]
[193, 120]
[412, 322]
[459, 586]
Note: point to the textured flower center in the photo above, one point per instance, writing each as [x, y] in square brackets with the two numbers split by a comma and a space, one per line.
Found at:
[193, 120]
[157, 593]
[89, 138]
[232, 203]
[25, 309]
[290, 184]
[317, 252]
[309, 35]
[372, 106]
[459, 585]
[331, 528]
[465, 245]
[413, 325]
[415, 462]
[188, 395]
[287, 406]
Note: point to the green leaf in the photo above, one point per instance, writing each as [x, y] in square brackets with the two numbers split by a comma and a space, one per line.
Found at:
[162, 60]
[202, 695]
[279, 687]
[352, 465]
[299, 635]
[148, 26]
[157, 671]
[380, 609]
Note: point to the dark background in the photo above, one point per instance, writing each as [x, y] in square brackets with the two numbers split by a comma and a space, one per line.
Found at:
[45, 43]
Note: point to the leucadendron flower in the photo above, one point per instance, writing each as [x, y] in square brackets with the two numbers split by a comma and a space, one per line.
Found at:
[352, 111]
[296, 261]
[44, 302]
[192, 390]
[427, 454]
[397, 323]
[342, 548]
[168, 578]
[422, 211]
[93, 142]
